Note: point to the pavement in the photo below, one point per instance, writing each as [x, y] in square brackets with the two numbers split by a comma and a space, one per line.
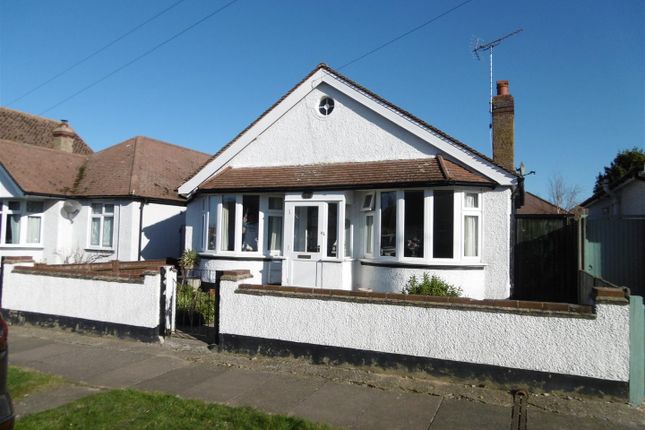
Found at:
[342, 396]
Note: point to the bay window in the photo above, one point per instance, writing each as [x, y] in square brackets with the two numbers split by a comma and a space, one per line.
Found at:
[472, 212]
[332, 230]
[250, 222]
[102, 225]
[228, 223]
[413, 223]
[274, 225]
[388, 224]
[443, 226]
[211, 238]
[369, 235]
[21, 222]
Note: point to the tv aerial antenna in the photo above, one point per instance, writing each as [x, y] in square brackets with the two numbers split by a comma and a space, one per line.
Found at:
[480, 47]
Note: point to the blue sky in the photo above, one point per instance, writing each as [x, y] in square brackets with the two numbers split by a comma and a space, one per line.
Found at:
[577, 71]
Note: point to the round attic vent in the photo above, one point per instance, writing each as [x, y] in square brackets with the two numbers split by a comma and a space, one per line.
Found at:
[326, 106]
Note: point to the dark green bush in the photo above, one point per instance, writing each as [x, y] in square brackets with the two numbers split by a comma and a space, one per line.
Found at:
[431, 286]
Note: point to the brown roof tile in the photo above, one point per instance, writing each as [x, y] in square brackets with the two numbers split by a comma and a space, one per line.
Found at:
[33, 130]
[534, 205]
[138, 167]
[344, 175]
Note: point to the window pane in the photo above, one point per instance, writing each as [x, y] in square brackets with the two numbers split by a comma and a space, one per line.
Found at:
[228, 223]
[212, 221]
[413, 233]
[443, 224]
[14, 206]
[471, 236]
[250, 222]
[276, 203]
[97, 208]
[95, 232]
[275, 233]
[388, 224]
[33, 229]
[348, 232]
[471, 200]
[332, 230]
[369, 234]
[305, 234]
[108, 222]
[35, 207]
[13, 229]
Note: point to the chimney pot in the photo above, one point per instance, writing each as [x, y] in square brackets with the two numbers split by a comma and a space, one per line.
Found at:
[63, 137]
[502, 88]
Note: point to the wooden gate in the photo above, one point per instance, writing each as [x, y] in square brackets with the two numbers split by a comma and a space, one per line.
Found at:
[546, 258]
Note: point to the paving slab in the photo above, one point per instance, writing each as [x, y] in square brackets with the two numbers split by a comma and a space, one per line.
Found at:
[18, 344]
[44, 400]
[82, 363]
[26, 357]
[392, 410]
[133, 373]
[280, 393]
[180, 381]
[466, 414]
[540, 420]
[228, 386]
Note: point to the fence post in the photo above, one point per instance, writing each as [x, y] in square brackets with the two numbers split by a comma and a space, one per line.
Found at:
[636, 350]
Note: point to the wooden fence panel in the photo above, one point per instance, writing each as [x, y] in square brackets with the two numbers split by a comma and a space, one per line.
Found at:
[615, 250]
[546, 259]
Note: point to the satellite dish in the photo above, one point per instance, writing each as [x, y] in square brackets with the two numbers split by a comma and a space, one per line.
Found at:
[71, 208]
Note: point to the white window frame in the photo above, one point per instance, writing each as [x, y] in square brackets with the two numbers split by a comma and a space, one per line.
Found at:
[265, 213]
[102, 217]
[476, 212]
[23, 223]
[365, 241]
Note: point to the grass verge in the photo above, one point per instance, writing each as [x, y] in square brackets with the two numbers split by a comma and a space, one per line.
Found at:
[21, 382]
[130, 409]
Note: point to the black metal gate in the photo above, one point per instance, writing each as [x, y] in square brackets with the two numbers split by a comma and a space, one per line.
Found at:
[546, 258]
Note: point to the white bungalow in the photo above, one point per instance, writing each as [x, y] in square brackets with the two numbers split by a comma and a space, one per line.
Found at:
[335, 187]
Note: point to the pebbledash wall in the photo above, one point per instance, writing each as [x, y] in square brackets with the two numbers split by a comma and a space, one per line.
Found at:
[547, 345]
[100, 304]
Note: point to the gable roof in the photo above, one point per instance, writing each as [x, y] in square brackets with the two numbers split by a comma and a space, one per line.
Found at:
[370, 174]
[324, 73]
[635, 174]
[33, 130]
[138, 167]
[536, 205]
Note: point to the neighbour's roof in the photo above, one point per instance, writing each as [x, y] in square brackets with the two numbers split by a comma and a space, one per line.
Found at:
[33, 130]
[535, 205]
[636, 174]
[370, 94]
[371, 174]
[138, 167]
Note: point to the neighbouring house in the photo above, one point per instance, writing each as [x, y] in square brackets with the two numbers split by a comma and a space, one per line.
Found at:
[624, 198]
[614, 232]
[335, 187]
[536, 205]
[62, 202]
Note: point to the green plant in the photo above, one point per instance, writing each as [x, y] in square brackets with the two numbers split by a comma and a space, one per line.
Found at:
[198, 306]
[189, 259]
[431, 286]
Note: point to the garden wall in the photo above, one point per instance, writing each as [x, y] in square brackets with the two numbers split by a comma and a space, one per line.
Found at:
[548, 345]
[122, 304]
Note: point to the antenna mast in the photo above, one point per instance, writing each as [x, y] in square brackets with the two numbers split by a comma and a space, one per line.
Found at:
[481, 47]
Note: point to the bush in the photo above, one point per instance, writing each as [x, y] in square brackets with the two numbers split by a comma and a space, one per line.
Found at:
[198, 306]
[431, 286]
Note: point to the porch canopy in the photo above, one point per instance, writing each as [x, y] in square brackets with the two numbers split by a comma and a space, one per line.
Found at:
[374, 174]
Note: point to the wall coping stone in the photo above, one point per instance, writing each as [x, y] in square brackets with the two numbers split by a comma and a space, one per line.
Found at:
[616, 296]
[17, 259]
[41, 271]
[488, 305]
[236, 275]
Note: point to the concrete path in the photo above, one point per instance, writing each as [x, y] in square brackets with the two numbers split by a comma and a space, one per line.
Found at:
[112, 363]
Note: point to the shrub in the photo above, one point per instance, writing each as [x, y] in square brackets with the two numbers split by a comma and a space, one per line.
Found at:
[431, 286]
[198, 306]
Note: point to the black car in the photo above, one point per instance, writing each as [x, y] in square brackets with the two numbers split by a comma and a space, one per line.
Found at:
[6, 407]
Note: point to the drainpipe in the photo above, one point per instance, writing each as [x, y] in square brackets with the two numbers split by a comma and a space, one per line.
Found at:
[141, 204]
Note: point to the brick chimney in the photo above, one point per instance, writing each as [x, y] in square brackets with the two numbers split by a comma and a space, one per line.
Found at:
[503, 128]
[64, 137]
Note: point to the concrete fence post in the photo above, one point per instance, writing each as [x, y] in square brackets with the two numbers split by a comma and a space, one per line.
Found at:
[636, 350]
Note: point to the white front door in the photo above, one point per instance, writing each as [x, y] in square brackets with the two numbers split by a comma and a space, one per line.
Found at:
[304, 253]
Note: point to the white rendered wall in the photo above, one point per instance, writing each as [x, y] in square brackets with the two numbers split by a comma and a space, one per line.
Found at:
[106, 301]
[350, 133]
[496, 242]
[596, 348]
[632, 199]
[263, 272]
[162, 229]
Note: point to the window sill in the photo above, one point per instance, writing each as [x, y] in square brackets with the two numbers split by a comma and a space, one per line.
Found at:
[21, 246]
[105, 250]
[423, 264]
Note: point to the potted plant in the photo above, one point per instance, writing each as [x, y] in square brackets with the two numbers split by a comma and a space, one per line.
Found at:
[188, 261]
